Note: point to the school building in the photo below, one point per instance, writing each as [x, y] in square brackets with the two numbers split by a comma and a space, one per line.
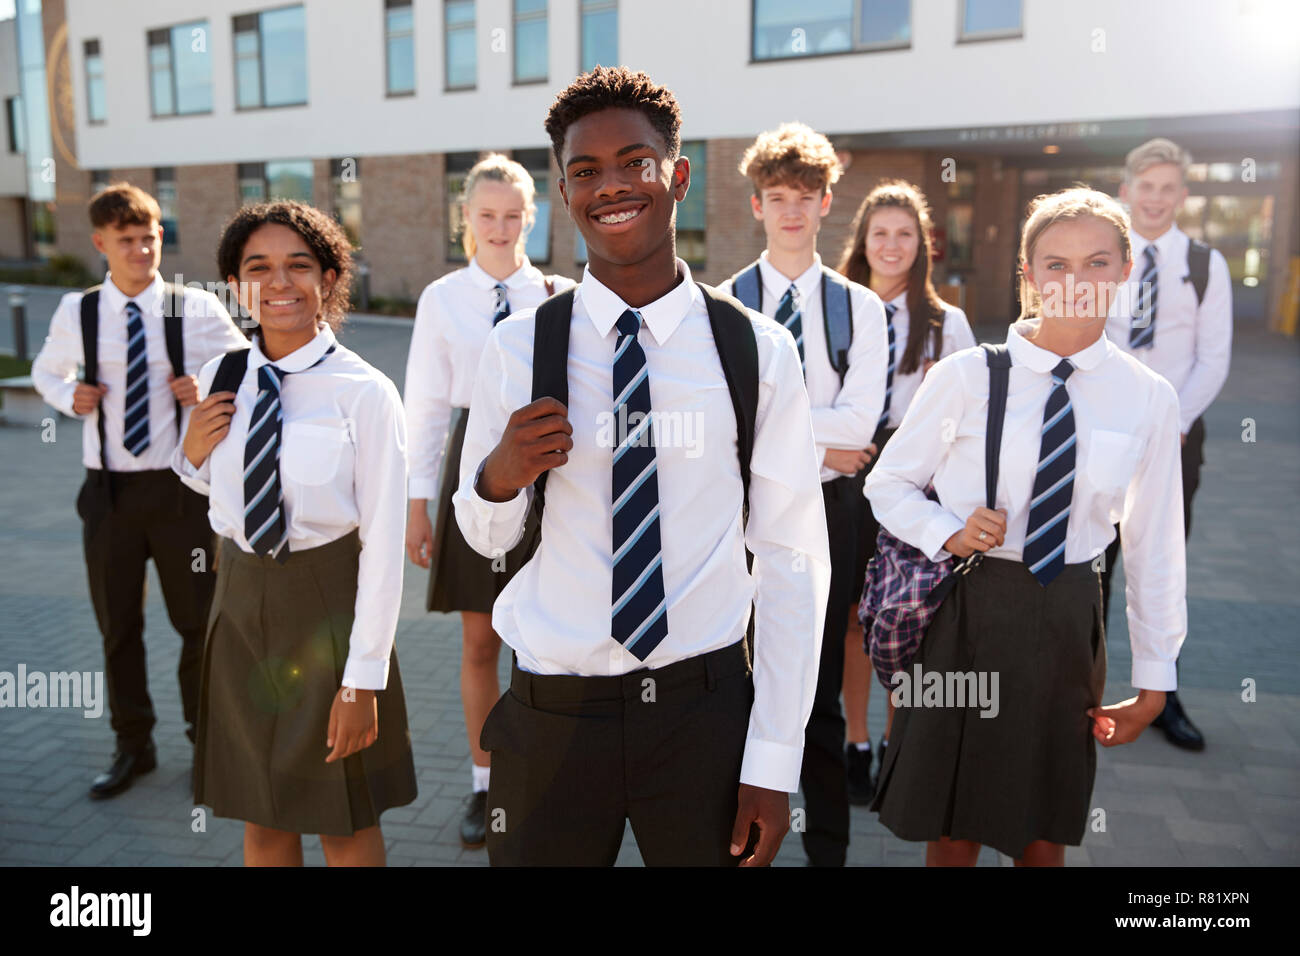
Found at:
[375, 109]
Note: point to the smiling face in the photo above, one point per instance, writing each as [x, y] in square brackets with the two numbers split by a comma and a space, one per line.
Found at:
[133, 252]
[892, 243]
[1154, 197]
[791, 215]
[281, 283]
[620, 186]
[496, 214]
[1077, 267]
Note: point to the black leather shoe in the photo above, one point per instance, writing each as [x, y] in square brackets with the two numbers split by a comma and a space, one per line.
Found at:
[126, 766]
[473, 826]
[1179, 731]
[857, 766]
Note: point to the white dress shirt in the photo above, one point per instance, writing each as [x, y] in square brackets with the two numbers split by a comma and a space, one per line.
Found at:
[1127, 468]
[956, 335]
[555, 613]
[452, 321]
[1193, 344]
[843, 416]
[208, 331]
[342, 466]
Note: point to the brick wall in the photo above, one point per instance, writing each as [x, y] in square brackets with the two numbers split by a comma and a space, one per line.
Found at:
[206, 196]
[403, 222]
[13, 227]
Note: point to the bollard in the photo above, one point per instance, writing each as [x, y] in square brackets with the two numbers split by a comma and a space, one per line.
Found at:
[18, 307]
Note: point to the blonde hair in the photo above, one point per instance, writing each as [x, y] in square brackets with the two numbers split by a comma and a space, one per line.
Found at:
[791, 155]
[1152, 153]
[1065, 206]
[499, 169]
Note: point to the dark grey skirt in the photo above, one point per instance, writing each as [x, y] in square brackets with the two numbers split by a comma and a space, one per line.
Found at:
[1025, 774]
[276, 646]
[461, 579]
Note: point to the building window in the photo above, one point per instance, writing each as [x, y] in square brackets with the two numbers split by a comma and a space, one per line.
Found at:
[271, 58]
[458, 167]
[399, 45]
[164, 178]
[281, 179]
[94, 83]
[461, 58]
[989, 19]
[960, 253]
[530, 41]
[797, 28]
[252, 183]
[345, 179]
[599, 29]
[99, 180]
[691, 210]
[579, 247]
[180, 69]
[14, 123]
[538, 163]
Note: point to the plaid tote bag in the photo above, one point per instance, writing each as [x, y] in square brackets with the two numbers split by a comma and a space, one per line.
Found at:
[903, 587]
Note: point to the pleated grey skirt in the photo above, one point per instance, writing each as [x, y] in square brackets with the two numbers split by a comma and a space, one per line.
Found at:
[1025, 774]
[461, 579]
[277, 643]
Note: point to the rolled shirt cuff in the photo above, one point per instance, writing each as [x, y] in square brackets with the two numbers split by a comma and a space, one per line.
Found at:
[1154, 675]
[937, 533]
[365, 674]
[770, 765]
[426, 488]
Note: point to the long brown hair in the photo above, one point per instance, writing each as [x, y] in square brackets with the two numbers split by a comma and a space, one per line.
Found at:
[924, 307]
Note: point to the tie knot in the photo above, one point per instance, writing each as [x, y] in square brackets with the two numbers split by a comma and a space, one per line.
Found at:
[1062, 370]
[273, 373]
[132, 308]
[1150, 254]
[890, 309]
[629, 323]
[499, 290]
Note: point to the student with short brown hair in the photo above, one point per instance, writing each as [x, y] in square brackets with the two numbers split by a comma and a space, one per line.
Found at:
[839, 330]
[141, 341]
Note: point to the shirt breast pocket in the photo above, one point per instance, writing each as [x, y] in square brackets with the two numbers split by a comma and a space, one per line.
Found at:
[1112, 459]
[312, 452]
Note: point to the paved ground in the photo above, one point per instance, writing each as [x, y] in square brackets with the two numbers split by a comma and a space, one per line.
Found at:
[1236, 803]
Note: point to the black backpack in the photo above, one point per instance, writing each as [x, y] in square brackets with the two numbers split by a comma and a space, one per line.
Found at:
[1198, 267]
[173, 318]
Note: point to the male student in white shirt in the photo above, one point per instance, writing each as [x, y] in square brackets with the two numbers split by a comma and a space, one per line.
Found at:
[1176, 318]
[652, 718]
[133, 507]
[840, 331]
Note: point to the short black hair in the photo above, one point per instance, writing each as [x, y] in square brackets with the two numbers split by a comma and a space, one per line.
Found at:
[323, 235]
[615, 88]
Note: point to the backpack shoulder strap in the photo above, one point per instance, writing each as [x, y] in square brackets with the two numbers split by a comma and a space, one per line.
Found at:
[551, 364]
[747, 286]
[1198, 267]
[999, 363]
[230, 372]
[90, 357]
[837, 314]
[733, 336]
[173, 330]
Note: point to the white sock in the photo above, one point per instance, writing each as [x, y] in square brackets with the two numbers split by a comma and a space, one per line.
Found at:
[480, 777]
[863, 746]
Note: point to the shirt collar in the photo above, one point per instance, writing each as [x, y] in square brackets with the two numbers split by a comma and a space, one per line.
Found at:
[662, 316]
[1164, 244]
[775, 283]
[149, 299]
[1026, 353]
[526, 274]
[303, 357]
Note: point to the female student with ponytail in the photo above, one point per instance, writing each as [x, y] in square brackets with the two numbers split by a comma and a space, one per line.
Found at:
[1090, 435]
[889, 252]
[452, 322]
[301, 448]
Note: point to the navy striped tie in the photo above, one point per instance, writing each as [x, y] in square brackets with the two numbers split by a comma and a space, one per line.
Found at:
[1049, 511]
[500, 307]
[890, 309]
[640, 612]
[265, 527]
[1142, 333]
[789, 314]
[135, 424]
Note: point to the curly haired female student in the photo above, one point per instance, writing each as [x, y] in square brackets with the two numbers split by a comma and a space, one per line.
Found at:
[301, 448]
[1090, 435]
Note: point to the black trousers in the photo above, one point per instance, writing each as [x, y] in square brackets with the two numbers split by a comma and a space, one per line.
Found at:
[823, 778]
[573, 758]
[1193, 456]
[128, 518]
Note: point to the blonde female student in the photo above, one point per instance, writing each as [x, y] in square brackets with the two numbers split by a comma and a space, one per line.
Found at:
[889, 252]
[452, 322]
[1090, 436]
[300, 446]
